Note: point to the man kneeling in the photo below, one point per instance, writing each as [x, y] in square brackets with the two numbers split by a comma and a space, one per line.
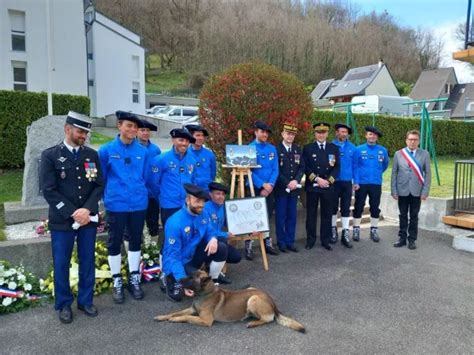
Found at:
[189, 242]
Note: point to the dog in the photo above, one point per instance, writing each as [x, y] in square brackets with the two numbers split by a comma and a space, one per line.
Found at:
[212, 303]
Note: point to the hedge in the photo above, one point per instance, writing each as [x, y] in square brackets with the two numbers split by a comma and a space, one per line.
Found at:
[450, 137]
[19, 109]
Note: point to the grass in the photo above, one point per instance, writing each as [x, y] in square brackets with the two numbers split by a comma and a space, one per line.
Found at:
[11, 182]
[446, 174]
[99, 139]
[164, 80]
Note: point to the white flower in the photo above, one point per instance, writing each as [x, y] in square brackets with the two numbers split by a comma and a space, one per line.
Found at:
[28, 287]
[12, 271]
[2, 281]
[12, 285]
[150, 262]
[7, 301]
[153, 244]
[21, 277]
[146, 256]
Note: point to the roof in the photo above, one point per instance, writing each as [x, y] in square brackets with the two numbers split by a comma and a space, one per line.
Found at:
[460, 100]
[355, 81]
[430, 84]
[321, 89]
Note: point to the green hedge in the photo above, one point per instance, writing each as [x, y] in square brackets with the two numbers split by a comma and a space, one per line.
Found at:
[451, 137]
[19, 109]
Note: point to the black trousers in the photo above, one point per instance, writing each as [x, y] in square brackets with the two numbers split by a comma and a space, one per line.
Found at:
[374, 192]
[152, 215]
[121, 223]
[343, 197]
[408, 205]
[313, 198]
[167, 213]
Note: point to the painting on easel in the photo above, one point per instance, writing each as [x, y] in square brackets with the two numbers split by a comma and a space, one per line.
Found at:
[240, 156]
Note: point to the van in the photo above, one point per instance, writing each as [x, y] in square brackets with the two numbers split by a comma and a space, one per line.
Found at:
[178, 113]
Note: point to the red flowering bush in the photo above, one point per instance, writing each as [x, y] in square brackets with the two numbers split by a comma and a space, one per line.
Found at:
[246, 93]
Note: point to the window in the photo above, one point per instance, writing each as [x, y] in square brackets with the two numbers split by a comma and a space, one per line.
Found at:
[19, 76]
[17, 25]
[188, 112]
[135, 67]
[90, 82]
[135, 92]
[447, 88]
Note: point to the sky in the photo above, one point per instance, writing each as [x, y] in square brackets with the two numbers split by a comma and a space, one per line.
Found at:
[442, 17]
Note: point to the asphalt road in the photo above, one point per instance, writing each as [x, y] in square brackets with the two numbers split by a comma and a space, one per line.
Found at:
[371, 299]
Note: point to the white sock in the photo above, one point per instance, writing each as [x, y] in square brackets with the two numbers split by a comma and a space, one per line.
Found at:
[161, 262]
[115, 263]
[374, 222]
[345, 222]
[334, 220]
[266, 235]
[215, 268]
[134, 260]
[356, 222]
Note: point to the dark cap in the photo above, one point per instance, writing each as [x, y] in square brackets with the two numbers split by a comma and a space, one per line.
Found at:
[182, 133]
[80, 121]
[374, 130]
[196, 128]
[218, 186]
[342, 125]
[128, 116]
[263, 126]
[321, 127]
[149, 125]
[196, 191]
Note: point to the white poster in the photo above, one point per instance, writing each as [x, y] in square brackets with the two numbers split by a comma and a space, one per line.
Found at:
[247, 215]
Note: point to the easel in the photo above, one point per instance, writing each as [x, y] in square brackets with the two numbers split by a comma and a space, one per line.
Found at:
[241, 172]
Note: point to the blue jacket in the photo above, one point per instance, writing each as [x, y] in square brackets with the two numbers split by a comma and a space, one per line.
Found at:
[347, 161]
[371, 162]
[183, 232]
[267, 158]
[167, 174]
[153, 151]
[216, 219]
[205, 166]
[124, 173]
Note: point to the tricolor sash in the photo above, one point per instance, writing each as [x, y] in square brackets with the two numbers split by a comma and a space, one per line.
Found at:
[413, 164]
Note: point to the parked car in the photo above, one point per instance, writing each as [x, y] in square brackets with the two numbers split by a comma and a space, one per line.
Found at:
[156, 110]
[178, 113]
[192, 120]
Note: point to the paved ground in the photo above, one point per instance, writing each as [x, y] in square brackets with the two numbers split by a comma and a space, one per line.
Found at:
[372, 299]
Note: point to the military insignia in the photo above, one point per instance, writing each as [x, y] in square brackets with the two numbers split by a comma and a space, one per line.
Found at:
[297, 158]
[187, 229]
[190, 168]
[181, 169]
[63, 174]
[115, 156]
[138, 157]
[87, 159]
[214, 217]
[154, 169]
[332, 159]
[271, 156]
[314, 155]
[171, 241]
[62, 159]
[263, 156]
[172, 165]
[381, 158]
[204, 221]
[198, 164]
[91, 171]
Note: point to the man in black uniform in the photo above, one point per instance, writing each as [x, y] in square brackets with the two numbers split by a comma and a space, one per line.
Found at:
[322, 166]
[71, 181]
[292, 169]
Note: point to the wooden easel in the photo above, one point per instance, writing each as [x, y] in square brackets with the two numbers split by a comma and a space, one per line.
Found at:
[241, 172]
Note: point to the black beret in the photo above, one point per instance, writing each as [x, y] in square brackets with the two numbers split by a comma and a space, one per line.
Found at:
[217, 186]
[196, 191]
[128, 116]
[263, 126]
[374, 130]
[342, 125]
[182, 133]
[80, 121]
[196, 128]
[149, 125]
[321, 126]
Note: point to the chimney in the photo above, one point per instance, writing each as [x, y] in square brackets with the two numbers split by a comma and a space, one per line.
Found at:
[381, 63]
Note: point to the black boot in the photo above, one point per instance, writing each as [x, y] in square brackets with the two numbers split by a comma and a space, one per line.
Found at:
[411, 245]
[134, 285]
[117, 291]
[345, 240]
[401, 243]
[248, 250]
[269, 247]
[374, 234]
[334, 235]
[355, 234]
[162, 282]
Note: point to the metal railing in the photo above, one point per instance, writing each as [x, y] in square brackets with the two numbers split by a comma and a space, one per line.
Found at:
[464, 186]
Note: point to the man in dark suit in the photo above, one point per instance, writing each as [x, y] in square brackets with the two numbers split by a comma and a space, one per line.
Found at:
[287, 187]
[411, 181]
[322, 166]
[71, 182]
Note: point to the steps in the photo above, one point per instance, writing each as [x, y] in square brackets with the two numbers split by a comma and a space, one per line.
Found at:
[463, 220]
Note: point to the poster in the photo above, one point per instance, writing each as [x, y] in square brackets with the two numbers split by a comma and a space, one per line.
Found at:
[247, 215]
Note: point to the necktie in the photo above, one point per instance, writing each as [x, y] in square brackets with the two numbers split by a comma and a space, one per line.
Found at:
[75, 152]
[321, 146]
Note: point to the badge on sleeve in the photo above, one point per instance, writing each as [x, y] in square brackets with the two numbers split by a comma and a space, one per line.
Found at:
[63, 174]
[187, 229]
[171, 241]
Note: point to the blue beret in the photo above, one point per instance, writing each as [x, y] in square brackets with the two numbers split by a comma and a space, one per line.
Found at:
[196, 191]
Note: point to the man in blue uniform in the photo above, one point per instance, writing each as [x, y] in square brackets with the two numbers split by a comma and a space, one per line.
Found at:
[189, 243]
[216, 210]
[371, 160]
[153, 209]
[343, 184]
[71, 182]
[264, 179]
[322, 166]
[287, 188]
[205, 158]
[169, 172]
[124, 163]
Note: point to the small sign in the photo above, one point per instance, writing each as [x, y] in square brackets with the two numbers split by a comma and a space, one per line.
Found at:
[247, 215]
[241, 155]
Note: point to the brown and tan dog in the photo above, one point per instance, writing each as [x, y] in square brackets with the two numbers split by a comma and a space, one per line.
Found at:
[215, 304]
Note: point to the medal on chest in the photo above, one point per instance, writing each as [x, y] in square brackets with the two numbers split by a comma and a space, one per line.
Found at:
[332, 159]
[91, 171]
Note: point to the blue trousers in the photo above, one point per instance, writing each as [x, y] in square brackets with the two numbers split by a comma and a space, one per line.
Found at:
[62, 243]
[285, 220]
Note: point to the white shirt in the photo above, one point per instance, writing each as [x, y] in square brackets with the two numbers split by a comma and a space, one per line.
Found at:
[288, 147]
[70, 147]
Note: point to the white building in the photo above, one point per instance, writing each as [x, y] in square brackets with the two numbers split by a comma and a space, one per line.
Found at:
[89, 54]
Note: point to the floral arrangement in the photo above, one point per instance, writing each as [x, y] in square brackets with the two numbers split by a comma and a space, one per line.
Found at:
[42, 229]
[19, 289]
[150, 265]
